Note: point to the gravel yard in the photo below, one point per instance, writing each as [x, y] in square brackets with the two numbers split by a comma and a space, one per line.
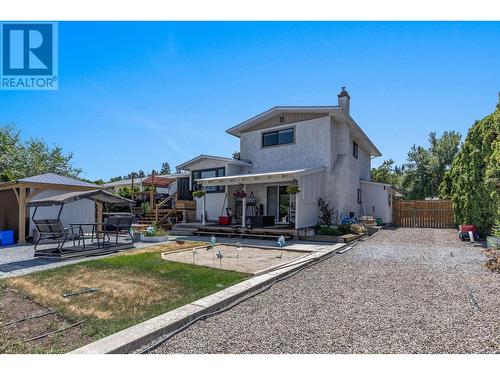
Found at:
[401, 291]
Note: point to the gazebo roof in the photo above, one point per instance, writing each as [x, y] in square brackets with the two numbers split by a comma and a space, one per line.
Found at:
[101, 196]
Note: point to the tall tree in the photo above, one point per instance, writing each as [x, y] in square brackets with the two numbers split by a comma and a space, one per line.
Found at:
[425, 169]
[387, 173]
[20, 158]
[165, 168]
[473, 181]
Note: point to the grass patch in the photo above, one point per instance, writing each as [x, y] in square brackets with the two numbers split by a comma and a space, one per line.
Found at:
[133, 287]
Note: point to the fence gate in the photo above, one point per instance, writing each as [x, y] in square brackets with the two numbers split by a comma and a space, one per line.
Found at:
[423, 214]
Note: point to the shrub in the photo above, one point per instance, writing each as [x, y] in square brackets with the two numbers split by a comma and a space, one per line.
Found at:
[344, 229]
[473, 180]
[146, 208]
[358, 228]
[328, 215]
[328, 231]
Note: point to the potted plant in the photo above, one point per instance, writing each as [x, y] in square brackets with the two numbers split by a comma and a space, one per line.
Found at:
[199, 193]
[154, 234]
[293, 189]
[240, 194]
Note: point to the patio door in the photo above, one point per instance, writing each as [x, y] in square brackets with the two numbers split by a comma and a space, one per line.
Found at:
[278, 204]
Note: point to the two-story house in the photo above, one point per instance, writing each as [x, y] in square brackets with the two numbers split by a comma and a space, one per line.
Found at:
[321, 149]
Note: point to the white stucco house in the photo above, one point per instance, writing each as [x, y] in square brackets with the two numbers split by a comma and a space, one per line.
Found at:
[319, 148]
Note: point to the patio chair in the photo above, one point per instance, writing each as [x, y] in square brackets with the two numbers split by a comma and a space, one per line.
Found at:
[50, 229]
[117, 225]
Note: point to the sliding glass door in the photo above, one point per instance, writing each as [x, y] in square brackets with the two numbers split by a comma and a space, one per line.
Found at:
[278, 203]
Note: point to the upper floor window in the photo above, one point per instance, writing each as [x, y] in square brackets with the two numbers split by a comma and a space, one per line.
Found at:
[208, 173]
[278, 137]
[355, 149]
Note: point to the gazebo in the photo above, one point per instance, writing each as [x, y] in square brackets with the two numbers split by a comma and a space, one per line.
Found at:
[14, 195]
[103, 235]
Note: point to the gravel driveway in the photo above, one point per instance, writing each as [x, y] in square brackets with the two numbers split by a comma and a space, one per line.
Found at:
[401, 291]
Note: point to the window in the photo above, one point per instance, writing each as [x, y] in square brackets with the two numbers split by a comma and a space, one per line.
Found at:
[208, 173]
[355, 149]
[279, 137]
[359, 195]
[390, 198]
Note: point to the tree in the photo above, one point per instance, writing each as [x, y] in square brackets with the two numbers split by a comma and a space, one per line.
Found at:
[426, 167]
[387, 173]
[474, 178]
[165, 168]
[20, 158]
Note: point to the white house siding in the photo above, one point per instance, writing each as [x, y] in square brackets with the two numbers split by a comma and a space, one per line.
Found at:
[82, 211]
[307, 211]
[311, 148]
[214, 206]
[376, 200]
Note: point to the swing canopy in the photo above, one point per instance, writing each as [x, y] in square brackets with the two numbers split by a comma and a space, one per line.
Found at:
[99, 195]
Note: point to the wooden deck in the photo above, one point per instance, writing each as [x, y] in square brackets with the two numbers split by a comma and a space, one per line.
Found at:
[237, 231]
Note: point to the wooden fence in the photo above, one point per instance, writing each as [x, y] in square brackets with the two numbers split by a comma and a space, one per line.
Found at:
[423, 214]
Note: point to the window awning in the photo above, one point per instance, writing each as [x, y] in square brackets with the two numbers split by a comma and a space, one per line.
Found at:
[100, 196]
[259, 178]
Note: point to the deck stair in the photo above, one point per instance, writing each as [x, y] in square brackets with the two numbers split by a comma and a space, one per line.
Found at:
[163, 215]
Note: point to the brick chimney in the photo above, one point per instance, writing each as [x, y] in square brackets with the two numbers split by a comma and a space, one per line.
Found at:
[344, 100]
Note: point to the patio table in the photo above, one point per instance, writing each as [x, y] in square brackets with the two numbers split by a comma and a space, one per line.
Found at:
[81, 234]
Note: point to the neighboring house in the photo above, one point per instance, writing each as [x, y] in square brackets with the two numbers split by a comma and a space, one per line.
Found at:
[14, 215]
[319, 148]
[165, 184]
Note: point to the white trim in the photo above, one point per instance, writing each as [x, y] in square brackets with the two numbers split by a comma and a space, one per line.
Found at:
[255, 178]
[331, 110]
[238, 129]
[211, 157]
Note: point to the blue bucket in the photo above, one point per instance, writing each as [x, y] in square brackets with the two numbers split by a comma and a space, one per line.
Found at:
[6, 237]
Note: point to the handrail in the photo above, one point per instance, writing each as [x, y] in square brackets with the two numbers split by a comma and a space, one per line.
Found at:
[168, 199]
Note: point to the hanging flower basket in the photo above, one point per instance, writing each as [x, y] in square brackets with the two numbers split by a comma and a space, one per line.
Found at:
[240, 194]
[293, 189]
[199, 193]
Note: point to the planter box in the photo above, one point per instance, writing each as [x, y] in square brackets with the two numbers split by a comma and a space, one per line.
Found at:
[224, 220]
[154, 239]
[346, 238]
[321, 238]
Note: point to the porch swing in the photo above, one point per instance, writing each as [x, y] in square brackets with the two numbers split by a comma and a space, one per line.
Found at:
[52, 230]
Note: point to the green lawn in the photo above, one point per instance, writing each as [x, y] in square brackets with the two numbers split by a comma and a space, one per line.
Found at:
[132, 288]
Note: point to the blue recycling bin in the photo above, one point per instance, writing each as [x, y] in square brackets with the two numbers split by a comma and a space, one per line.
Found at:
[6, 237]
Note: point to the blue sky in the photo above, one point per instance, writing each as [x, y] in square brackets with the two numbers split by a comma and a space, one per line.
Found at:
[135, 94]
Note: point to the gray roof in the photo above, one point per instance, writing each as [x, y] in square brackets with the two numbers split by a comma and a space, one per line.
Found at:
[101, 196]
[55, 179]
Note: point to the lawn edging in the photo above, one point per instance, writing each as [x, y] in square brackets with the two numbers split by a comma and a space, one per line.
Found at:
[134, 337]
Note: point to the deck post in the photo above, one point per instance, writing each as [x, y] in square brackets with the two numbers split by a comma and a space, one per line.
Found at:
[132, 189]
[22, 215]
[204, 212]
[151, 192]
[244, 209]
[99, 215]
